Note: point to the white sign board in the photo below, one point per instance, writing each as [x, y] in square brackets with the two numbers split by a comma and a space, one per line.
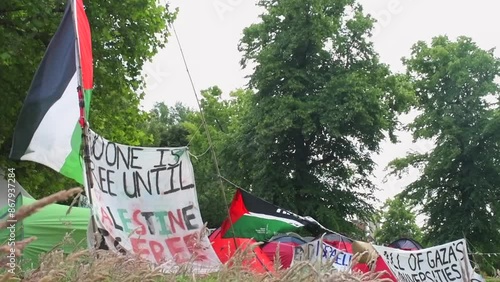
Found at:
[317, 250]
[145, 202]
[448, 262]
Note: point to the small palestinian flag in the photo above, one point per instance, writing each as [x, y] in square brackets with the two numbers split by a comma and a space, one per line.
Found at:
[255, 218]
[49, 128]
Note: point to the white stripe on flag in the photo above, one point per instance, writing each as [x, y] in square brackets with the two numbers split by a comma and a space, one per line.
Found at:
[286, 220]
[51, 142]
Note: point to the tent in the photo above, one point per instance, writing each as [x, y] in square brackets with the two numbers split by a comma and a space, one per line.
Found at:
[288, 238]
[225, 248]
[284, 244]
[338, 241]
[50, 225]
[362, 266]
[406, 244]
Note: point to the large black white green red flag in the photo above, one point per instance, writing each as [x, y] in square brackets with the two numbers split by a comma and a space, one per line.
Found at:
[49, 127]
[252, 217]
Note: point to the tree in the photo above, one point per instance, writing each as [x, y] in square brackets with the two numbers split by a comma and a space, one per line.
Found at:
[223, 119]
[124, 35]
[459, 186]
[398, 221]
[181, 126]
[322, 105]
[166, 125]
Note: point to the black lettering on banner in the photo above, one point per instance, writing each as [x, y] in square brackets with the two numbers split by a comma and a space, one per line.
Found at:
[412, 262]
[110, 182]
[126, 160]
[111, 161]
[140, 181]
[451, 253]
[172, 189]
[101, 179]
[117, 226]
[134, 157]
[157, 171]
[419, 261]
[460, 249]
[449, 276]
[399, 263]
[430, 259]
[96, 156]
[172, 185]
[149, 221]
[455, 268]
[162, 152]
[126, 188]
[189, 217]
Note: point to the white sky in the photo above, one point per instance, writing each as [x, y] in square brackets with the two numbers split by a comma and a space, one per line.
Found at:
[209, 31]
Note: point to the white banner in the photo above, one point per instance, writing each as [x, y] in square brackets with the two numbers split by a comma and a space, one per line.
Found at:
[145, 203]
[448, 262]
[316, 250]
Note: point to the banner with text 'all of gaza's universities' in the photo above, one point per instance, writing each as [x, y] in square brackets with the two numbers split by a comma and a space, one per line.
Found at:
[317, 250]
[443, 263]
[145, 203]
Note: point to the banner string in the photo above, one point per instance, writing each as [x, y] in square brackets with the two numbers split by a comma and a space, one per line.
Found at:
[209, 138]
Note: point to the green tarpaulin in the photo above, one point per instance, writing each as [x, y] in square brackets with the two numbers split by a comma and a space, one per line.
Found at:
[50, 225]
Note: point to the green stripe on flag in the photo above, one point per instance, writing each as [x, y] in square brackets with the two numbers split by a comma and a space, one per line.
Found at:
[261, 229]
[87, 95]
[72, 167]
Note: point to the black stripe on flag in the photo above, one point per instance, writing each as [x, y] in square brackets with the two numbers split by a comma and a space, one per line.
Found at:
[49, 83]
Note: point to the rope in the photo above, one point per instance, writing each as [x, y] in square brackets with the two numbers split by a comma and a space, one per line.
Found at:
[209, 138]
[194, 135]
[201, 155]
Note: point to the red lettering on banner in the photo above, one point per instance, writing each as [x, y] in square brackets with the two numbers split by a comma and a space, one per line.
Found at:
[191, 241]
[158, 251]
[137, 248]
[178, 220]
[177, 250]
[135, 219]
[182, 249]
[105, 217]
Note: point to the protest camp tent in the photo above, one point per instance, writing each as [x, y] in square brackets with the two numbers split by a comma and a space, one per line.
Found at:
[406, 244]
[288, 238]
[4, 186]
[363, 266]
[225, 248]
[338, 241]
[49, 225]
[285, 245]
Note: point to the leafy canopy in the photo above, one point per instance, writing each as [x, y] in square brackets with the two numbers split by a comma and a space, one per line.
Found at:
[459, 186]
[125, 34]
[322, 105]
[398, 221]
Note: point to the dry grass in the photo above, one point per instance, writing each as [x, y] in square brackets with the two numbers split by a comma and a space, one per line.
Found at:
[100, 265]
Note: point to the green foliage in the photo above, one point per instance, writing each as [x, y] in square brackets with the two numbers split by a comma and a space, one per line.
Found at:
[181, 126]
[222, 118]
[459, 187]
[322, 105]
[398, 221]
[125, 34]
[166, 125]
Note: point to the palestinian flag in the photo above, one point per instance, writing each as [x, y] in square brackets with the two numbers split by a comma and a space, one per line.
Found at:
[49, 128]
[255, 218]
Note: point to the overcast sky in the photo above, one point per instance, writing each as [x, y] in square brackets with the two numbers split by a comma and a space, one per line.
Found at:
[209, 31]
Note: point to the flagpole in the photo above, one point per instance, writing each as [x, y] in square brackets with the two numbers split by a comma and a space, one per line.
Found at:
[83, 121]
